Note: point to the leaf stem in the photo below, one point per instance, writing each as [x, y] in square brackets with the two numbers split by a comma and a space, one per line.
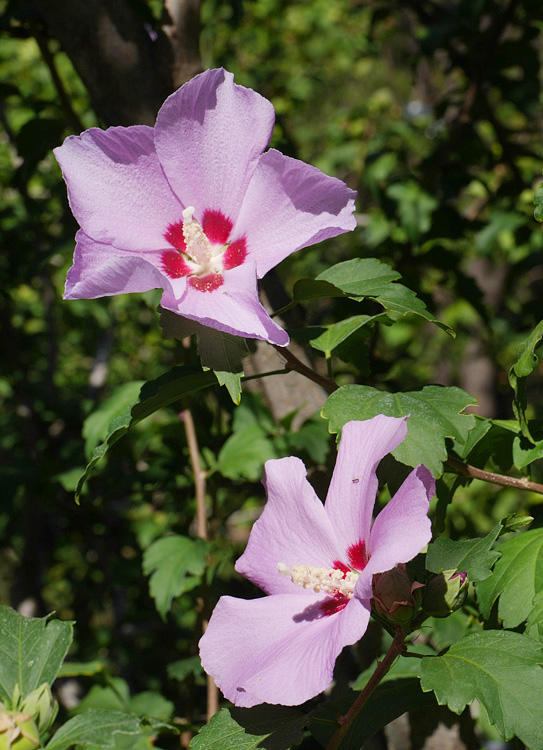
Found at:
[397, 647]
[201, 526]
[466, 470]
[293, 363]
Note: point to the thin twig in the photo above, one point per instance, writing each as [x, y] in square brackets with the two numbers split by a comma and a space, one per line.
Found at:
[293, 363]
[397, 647]
[466, 470]
[64, 99]
[199, 474]
[201, 525]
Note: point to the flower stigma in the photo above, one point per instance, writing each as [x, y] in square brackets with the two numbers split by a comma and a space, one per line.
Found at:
[198, 247]
[329, 580]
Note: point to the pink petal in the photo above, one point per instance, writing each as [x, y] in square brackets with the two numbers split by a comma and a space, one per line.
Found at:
[232, 307]
[352, 491]
[290, 205]
[293, 529]
[208, 137]
[100, 270]
[278, 649]
[116, 187]
[402, 529]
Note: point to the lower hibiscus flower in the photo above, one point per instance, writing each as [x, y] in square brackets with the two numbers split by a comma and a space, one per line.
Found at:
[316, 563]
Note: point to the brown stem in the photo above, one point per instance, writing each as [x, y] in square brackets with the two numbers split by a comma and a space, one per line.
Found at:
[397, 647]
[466, 470]
[201, 525]
[293, 363]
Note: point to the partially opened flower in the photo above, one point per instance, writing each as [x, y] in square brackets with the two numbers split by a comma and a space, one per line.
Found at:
[316, 562]
[194, 206]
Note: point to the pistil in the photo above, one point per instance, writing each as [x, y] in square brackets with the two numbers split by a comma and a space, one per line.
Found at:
[198, 247]
[328, 580]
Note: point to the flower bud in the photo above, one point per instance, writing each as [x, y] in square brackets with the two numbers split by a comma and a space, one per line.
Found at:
[41, 706]
[445, 593]
[18, 731]
[395, 595]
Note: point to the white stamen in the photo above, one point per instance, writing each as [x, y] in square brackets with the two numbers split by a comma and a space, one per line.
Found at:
[187, 213]
[328, 580]
[198, 246]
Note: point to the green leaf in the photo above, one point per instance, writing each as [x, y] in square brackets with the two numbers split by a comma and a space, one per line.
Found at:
[503, 671]
[538, 201]
[95, 427]
[472, 556]
[305, 289]
[360, 277]
[534, 623]
[525, 452]
[336, 333]
[181, 669]
[96, 727]
[283, 725]
[219, 351]
[415, 207]
[244, 453]
[80, 669]
[31, 651]
[151, 704]
[434, 416]
[154, 395]
[169, 561]
[390, 700]
[399, 299]
[518, 577]
[526, 362]
[223, 733]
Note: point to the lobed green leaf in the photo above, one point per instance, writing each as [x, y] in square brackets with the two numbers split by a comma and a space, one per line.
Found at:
[472, 556]
[223, 733]
[96, 727]
[500, 669]
[169, 562]
[517, 579]
[152, 396]
[31, 652]
[434, 415]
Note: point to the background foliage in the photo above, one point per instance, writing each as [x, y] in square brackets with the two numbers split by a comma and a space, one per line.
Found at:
[431, 111]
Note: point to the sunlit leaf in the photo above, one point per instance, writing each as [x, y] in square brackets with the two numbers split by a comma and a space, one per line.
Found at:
[434, 415]
[31, 651]
[518, 577]
[472, 556]
[169, 561]
[223, 733]
[500, 669]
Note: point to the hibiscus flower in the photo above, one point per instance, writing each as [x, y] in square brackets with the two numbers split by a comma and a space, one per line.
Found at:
[316, 563]
[195, 206]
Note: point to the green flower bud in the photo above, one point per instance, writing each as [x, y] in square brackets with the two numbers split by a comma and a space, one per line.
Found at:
[395, 595]
[18, 731]
[41, 706]
[445, 593]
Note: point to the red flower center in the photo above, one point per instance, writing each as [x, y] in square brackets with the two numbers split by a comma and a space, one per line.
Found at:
[202, 252]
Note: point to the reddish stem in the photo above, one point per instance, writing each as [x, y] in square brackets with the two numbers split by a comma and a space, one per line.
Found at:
[397, 647]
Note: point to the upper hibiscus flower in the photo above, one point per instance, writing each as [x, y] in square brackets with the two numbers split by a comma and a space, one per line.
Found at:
[317, 563]
[194, 206]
